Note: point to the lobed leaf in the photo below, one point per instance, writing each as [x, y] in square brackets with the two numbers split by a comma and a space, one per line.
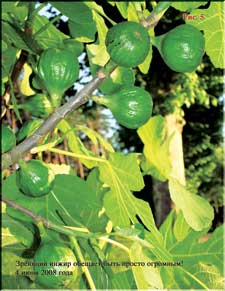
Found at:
[197, 211]
[15, 232]
[122, 174]
[146, 277]
[50, 37]
[187, 5]
[156, 147]
[97, 52]
[75, 144]
[76, 11]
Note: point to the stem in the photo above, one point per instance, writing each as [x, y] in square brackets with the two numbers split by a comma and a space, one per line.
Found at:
[158, 11]
[80, 98]
[100, 100]
[84, 268]
[58, 151]
[162, 6]
[113, 242]
[14, 102]
[43, 28]
[47, 223]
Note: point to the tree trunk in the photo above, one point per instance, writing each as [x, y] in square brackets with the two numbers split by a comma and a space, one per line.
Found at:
[162, 201]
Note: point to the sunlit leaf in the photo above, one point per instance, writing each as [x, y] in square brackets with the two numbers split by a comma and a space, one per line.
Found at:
[156, 147]
[146, 277]
[187, 5]
[76, 11]
[15, 232]
[50, 37]
[213, 27]
[97, 52]
[197, 211]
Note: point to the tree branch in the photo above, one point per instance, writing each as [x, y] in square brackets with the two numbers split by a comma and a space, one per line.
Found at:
[80, 98]
[152, 20]
[47, 223]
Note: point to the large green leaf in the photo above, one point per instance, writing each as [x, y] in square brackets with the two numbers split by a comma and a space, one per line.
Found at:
[180, 228]
[96, 186]
[11, 191]
[7, 6]
[197, 211]
[98, 8]
[122, 7]
[144, 67]
[75, 144]
[123, 280]
[71, 199]
[126, 168]
[11, 36]
[17, 13]
[15, 232]
[48, 37]
[95, 137]
[156, 147]
[132, 14]
[8, 60]
[98, 273]
[209, 275]
[200, 255]
[9, 278]
[180, 278]
[120, 76]
[83, 32]
[187, 5]
[75, 11]
[146, 277]
[121, 173]
[213, 26]
[202, 262]
[191, 251]
[76, 202]
[97, 52]
[166, 229]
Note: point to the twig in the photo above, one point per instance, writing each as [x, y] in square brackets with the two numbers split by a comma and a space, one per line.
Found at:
[80, 98]
[45, 222]
[158, 11]
[81, 259]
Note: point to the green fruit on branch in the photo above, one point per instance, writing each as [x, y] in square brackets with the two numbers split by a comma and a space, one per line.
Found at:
[182, 48]
[58, 69]
[38, 105]
[127, 43]
[131, 106]
[28, 128]
[35, 178]
[54, 276]
[8, 139]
